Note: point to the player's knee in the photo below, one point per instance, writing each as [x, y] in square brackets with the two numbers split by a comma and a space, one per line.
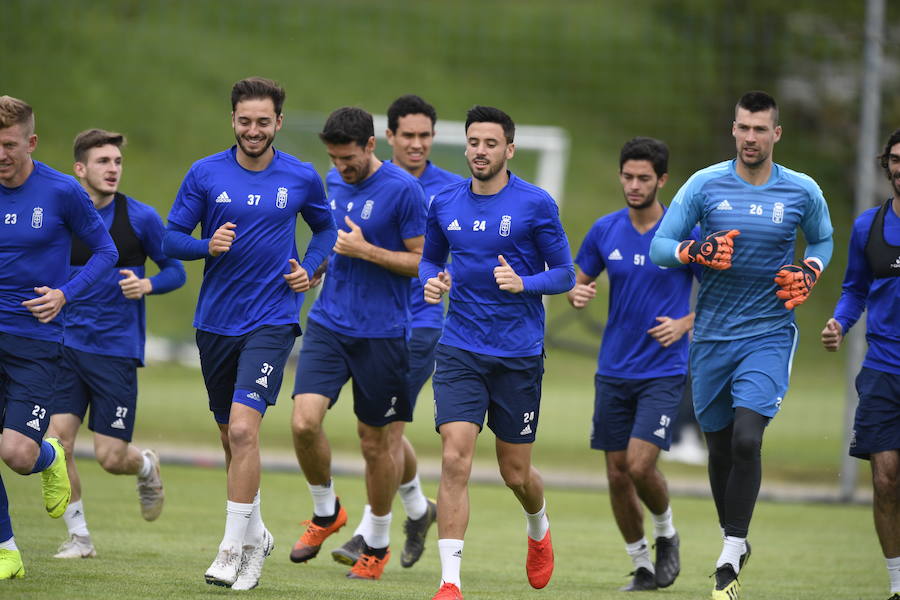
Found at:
[640, 471]
[241, 435]
[746, 446]
[304, 428]
[886, 484]
[376, 444]
[19, 457]
[515, 479]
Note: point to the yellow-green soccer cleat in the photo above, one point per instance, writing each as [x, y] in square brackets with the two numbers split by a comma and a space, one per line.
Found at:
[727, 586]
[55, 485]
[11, 566]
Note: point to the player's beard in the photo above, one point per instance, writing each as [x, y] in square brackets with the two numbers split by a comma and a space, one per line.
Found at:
[895, 182]
[491, 172]
[357, 174]
[647, 203]
[761, 158]
[257, 154]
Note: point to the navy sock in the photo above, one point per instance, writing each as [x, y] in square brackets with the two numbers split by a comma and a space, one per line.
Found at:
[6, 531]
[45, 458]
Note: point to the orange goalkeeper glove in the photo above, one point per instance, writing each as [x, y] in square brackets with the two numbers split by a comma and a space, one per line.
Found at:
[796, 282]
[714, 252]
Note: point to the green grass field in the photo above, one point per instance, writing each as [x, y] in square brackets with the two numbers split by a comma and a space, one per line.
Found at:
[800, 551]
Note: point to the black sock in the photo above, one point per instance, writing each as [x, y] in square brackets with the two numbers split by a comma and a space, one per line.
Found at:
[326, 521]
[719, 467]
[746, 471]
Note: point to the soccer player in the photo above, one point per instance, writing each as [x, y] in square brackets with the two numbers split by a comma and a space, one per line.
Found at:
[642, 366]
[499, 232]
[357, 329]
[41, 211]
[872, 283]
[247, 199]
[410, 133]
[104, 337]
[744, 333]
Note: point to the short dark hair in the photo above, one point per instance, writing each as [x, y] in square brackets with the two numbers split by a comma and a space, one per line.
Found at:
[646, 148]
[489, 114]
[348, 124]
[885, 157]
[758, 101]
[16, 112]
[256, 88]
[410, 104]
[94, 138]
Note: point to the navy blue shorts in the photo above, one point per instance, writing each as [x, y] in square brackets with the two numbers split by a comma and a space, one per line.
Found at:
[246, 369]
[635, 408]
[377, 366]
[749, 372]
[877, 424]
[421, 345]
[28, 371]
[467, 385]
[108, 384]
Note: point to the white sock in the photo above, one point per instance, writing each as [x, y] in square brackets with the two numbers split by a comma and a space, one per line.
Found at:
[365, 524]
[414, 502]
[893, 567]
[256, 526]
[380, 534]
[662, 524]
[146, 468]
[323, 499]
[451, 559]
[732, 548]
[9, 544]
[538, 524]
[237, 518]
[75, 520]
[639, 552]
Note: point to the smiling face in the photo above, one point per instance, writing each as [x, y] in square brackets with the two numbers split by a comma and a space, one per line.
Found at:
[893, 166]
[352, 161]
[412, 142]
[755, 135]
[17, 142]
[640, 183]
[255, 124]
[101, 170]
[487, 150]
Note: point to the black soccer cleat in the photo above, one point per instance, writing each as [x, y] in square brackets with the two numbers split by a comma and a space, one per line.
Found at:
[416, 530]
[745, 557]
[643, 581]
[668, 560]
[727, 586]
[349, 553]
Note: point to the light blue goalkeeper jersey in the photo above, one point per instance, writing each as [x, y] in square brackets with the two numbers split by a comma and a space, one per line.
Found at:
[740, 302]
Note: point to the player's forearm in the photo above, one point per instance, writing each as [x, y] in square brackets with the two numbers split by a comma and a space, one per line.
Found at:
[664, 251]
[400, 262]
[318, 249]
[179, 243]
[171, 276]
[429, 269]
[821, 250]
[104, 258]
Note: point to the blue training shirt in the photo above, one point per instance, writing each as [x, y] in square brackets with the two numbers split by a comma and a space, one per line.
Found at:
[38, 220]
[639, 291]
[104, 321]
[358, 297]
[422, 314]
[880, 297]
[740, 302]
[521, 222]
[244, 288]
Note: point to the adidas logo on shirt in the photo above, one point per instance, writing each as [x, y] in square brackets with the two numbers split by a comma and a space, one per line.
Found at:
[614, 255]
[454, 226]
[263, 381]
[660, 433]
[723, 205]
[223, 198]
[526, 431]
[118, 424]
[34, 424]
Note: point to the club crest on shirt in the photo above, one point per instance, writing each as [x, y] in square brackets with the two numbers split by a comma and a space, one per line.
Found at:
[281, 199]
[367, 209]
[505, 225]
[37, 217]
[778, 212]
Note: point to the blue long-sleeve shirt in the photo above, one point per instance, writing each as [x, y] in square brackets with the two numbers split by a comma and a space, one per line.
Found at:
[880, 297]
[39, 219]
[740, 302]
[104, 321]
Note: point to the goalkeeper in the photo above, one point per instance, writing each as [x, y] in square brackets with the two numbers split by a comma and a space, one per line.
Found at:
[749, 210]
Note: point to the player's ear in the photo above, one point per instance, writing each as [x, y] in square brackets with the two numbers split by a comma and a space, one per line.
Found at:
[79, 169]
[510, 150]
[662, 180]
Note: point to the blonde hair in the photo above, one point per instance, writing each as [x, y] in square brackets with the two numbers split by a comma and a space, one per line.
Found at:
[16, 112]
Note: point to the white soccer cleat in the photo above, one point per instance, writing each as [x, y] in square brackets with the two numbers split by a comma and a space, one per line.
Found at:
[224, 570]
[77, 546]
[150, 489]
[252, 560]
